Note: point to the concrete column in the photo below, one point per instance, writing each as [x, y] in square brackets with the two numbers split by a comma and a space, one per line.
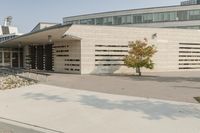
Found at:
[112, 20]
[25, 56]
[11, 59]
[95, 21]
[3, 64]
[36, 57]
[1, 56]
[44, 57]
[19, 60]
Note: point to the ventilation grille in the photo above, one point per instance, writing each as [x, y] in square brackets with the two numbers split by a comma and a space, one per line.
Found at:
[189, 56]
[65, 59]
[110, 55]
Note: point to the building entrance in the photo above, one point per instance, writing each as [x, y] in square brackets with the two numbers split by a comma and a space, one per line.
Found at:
[11, 57]
[41, 57]
[15, 59]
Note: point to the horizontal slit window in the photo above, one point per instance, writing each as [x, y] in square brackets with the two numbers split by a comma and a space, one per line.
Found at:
[72, 65]
[189, 67]
[189, 47]
[126, 46]
[189, 55]
[109, 60]
[62, 55]
[112, 55]
[59, 46]
[189, 59]
[72, 59]
[62, 51]
[189, 63]
[189, 51]
[189, 43]
[109, 64]
[111, 50]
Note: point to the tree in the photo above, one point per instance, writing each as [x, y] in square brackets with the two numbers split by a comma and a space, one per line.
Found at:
[140, 55]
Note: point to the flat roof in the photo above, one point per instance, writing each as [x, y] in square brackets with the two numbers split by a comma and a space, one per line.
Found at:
[59, 33]
[40, 36]
[137, 9]
[53, 24]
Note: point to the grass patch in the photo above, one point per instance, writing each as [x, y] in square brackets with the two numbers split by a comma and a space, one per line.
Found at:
[197, 98]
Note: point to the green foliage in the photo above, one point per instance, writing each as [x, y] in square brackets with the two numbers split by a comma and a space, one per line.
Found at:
[140, 55]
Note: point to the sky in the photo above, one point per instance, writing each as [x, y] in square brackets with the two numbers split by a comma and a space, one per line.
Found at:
[28, 13]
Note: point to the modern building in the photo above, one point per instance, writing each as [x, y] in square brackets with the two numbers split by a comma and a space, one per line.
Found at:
[190, 2]
[7, 32]
[97, 43]
[87, 49]
[186, 16]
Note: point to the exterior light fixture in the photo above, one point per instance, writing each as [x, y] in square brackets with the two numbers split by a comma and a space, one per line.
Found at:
[49, 38]
[155, 35]
[19, 45]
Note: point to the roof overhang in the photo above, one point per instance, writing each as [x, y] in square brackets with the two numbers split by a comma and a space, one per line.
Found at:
[57, 33]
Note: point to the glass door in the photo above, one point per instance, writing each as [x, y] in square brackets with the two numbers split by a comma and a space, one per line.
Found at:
[7, 61]
[15, 59]
[1, 58]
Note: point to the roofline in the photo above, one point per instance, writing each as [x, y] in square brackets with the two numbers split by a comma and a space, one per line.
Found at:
[47, 23]
[5, 35]
[43, 23]
[128, 10]
[45, 29]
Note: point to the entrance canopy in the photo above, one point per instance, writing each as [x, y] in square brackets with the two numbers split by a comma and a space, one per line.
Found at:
[44, 36]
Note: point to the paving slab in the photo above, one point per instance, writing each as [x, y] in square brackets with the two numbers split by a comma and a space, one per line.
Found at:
[66, 110]
[9, 128]
[175, 86]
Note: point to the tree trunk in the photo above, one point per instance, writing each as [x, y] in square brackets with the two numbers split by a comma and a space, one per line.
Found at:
[138, 71]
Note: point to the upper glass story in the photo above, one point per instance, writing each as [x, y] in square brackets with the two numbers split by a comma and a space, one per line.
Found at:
[184, 14]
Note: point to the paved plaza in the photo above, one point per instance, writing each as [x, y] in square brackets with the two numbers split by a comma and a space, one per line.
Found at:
[67, 103]
[61, 110]
[9, 128]
[175, 86]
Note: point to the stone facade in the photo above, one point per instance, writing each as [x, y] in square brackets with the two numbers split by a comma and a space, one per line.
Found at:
[102, 47]
[84, 49]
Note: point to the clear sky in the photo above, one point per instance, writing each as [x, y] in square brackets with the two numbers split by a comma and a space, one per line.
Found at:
[27, 13]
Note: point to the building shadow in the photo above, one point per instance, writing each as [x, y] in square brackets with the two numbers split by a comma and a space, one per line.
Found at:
[153, 110]
[41, 96]
[188, 87]
[153, 77]
[164, 78]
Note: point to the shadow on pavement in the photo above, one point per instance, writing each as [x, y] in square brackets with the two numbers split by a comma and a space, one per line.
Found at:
[153, 110]
[156, 78]
[187, 87]
[166, 79]
[41, 96]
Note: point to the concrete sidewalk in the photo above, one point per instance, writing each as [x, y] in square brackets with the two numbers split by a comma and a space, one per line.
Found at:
[8, 128]
[63, 110]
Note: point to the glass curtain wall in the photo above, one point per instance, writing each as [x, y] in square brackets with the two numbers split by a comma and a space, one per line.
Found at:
[183, 15]
[118, 20]
[99, 21]
[87, 21]
[107, 21]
